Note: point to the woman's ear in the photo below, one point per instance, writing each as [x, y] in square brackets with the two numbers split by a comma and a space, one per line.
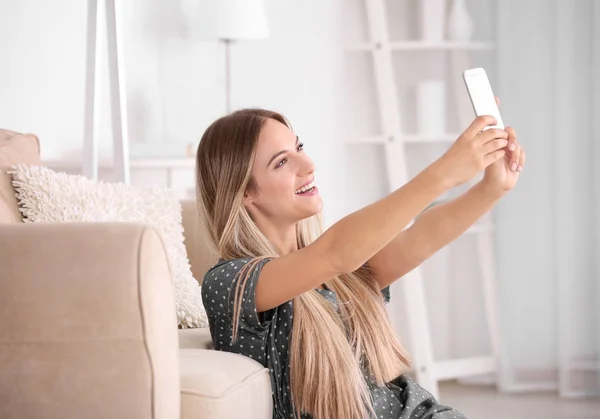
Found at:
[248, 198]
[249, 194]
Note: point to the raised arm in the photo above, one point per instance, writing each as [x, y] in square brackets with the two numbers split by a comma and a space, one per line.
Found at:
[353, 240]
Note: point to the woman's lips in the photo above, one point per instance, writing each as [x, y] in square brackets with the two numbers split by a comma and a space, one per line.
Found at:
[311, 192]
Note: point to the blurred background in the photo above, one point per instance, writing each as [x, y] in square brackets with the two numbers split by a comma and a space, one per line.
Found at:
[502, 323]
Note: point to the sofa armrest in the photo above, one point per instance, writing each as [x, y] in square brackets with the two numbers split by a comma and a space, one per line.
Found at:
[88, 323]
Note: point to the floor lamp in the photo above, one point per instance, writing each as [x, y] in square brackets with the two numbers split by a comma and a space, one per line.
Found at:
[238, 20]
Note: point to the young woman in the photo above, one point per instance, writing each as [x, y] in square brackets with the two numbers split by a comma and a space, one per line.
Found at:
[308, 304]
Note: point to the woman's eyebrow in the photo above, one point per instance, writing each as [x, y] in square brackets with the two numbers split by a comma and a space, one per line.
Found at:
[279, 153]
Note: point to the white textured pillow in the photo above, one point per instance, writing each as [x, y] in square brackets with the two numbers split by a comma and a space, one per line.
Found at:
[46, 196]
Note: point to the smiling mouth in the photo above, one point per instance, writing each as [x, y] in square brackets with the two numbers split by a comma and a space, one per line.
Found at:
[306, 188]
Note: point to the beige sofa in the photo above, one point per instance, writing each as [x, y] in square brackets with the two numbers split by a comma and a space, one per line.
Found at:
[87, 317]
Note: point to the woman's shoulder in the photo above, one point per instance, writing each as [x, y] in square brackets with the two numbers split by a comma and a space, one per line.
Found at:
[220, 278]
[220, 283]
[226, 269]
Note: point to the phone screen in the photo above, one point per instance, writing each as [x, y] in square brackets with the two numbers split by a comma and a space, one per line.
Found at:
[482, 96]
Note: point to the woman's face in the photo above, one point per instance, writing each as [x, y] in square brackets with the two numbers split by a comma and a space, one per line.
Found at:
[282, 187]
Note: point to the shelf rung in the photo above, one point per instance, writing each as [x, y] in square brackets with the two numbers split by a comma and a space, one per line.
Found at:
[456, 368]
[372, 139]
[430, 138]
[445, 45]
[421, 46]
[584, 365]
[363, 46]
[409, 139]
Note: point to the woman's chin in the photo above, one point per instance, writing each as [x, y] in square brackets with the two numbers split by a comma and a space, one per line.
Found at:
[307, 206]
[314, 209]
[306, 211]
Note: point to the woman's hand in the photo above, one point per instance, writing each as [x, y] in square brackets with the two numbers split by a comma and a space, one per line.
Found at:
[474, 151]
[504, 173]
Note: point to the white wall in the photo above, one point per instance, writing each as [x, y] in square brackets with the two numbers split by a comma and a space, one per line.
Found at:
[42, 71]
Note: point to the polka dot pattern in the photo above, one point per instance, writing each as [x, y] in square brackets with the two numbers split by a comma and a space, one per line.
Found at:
[264, 337]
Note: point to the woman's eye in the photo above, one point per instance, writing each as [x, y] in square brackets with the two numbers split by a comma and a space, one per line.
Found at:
[300, 147]
[281, 163]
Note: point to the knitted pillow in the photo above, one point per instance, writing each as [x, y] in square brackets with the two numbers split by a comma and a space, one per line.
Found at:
[46, 196]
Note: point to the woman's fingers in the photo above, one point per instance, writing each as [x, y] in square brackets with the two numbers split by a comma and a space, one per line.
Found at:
[494, 156]
[512, 139]
[491, 134]
[495, 144]
[515, 151]
[478, 125]
[521, 161]
[515, 157]
[497, 101]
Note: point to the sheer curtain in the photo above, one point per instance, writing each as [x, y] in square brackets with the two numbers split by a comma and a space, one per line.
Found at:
[549, 227]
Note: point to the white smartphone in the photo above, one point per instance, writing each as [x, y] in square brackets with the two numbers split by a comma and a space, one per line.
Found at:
[482, 95]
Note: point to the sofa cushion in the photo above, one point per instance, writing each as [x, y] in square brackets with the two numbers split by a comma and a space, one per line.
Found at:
[222, 385]
[48, 197]
[195, 338]
[15, 148]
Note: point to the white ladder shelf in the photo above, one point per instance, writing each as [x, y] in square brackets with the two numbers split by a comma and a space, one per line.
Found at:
[428, 371]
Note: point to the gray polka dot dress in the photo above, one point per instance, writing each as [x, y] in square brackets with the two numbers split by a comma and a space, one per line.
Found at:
[265, 338]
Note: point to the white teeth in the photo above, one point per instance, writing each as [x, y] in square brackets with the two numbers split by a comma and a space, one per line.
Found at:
[306, 188]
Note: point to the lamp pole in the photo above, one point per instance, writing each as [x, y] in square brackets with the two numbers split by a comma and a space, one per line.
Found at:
[227, 42]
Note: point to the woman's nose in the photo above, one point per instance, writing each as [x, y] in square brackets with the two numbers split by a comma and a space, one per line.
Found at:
[308, 166]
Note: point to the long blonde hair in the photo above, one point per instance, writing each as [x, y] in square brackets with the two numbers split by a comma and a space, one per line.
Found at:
[326, 373]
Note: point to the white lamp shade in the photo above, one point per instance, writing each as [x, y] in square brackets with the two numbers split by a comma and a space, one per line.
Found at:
[241, 19]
